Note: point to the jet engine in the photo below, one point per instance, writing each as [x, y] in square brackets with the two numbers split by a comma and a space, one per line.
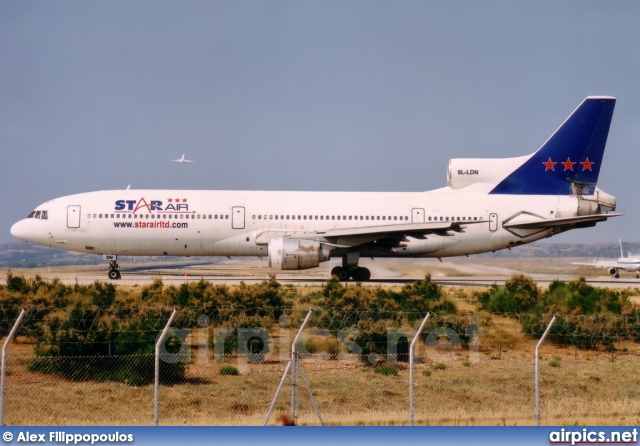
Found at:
[613, 271]
[293, 254]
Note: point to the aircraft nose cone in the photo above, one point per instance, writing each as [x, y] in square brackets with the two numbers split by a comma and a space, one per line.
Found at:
[18, 230]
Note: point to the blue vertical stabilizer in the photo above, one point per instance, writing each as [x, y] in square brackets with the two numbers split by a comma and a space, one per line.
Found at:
[571, 157]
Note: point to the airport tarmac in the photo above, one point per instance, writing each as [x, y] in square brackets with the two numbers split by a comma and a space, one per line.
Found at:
[384, 272]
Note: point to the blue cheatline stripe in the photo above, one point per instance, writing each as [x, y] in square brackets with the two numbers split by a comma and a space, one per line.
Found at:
[573, 154]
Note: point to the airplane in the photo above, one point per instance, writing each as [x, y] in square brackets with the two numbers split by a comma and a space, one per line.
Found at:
[630, 264]
[182, 160]
[487, 205]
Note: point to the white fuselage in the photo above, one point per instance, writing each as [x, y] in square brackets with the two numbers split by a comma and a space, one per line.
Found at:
[241, 223]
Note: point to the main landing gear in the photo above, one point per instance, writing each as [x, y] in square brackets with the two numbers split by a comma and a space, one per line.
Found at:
[114, 274]
[358, 273]
[350, 269]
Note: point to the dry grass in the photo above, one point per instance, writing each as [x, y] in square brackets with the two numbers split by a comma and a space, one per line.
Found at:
[589, 389]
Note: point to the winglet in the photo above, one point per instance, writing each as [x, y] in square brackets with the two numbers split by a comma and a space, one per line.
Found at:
[570, 160]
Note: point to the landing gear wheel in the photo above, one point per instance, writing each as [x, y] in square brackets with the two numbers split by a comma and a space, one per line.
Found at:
[114, 274]
[365, 274]
[343, 275]
[637, 275]
[617, 276]
[360, 274]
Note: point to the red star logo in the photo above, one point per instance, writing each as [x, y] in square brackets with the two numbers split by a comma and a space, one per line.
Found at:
[170, 200]
[177, 200]
[184, 200]
[548, 165]
[142, 203]
[586, 164]
[568, 164]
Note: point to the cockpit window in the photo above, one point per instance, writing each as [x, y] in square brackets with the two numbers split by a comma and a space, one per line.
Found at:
[31, 214]
[44, 215]
[37, 214]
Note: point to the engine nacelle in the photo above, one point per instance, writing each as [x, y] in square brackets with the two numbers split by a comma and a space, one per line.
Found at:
[292, 254]
[462, 172]
[613, 271]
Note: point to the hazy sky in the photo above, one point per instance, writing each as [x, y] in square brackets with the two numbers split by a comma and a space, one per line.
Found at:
[304, 95]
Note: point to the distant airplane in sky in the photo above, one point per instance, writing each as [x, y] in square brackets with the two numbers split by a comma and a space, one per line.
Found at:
[630, 264]
[487, 205]
[182, 160]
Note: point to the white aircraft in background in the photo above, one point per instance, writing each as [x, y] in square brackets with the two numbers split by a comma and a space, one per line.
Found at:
[182, 160]
[630, 264]
[489, 204]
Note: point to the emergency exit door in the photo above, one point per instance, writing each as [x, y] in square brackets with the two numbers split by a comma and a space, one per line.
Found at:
[493, 222]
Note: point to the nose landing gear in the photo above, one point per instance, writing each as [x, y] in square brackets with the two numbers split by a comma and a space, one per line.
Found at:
[113, 274]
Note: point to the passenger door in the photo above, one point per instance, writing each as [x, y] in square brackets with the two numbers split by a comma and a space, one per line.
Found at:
[417, 215]
[73, 216]
[237, 217]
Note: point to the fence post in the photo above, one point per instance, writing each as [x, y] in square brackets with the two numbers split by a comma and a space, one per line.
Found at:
[537, 372]
[156, 392]
[294, 364]
[411, 350]
[4, 363]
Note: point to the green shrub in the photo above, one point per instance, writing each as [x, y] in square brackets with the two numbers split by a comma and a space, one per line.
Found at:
[554, 363]
[426, 372]
[440, 366]
[229, 370]
[386, 369]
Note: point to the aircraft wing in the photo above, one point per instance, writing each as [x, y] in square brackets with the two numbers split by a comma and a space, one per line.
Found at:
[542, 223]
[599, 264]
[350, 237]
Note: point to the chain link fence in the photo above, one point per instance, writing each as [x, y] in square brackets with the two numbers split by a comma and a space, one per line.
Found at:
[223, 365]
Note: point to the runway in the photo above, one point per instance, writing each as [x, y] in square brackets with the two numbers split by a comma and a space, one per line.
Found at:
[457, 272]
